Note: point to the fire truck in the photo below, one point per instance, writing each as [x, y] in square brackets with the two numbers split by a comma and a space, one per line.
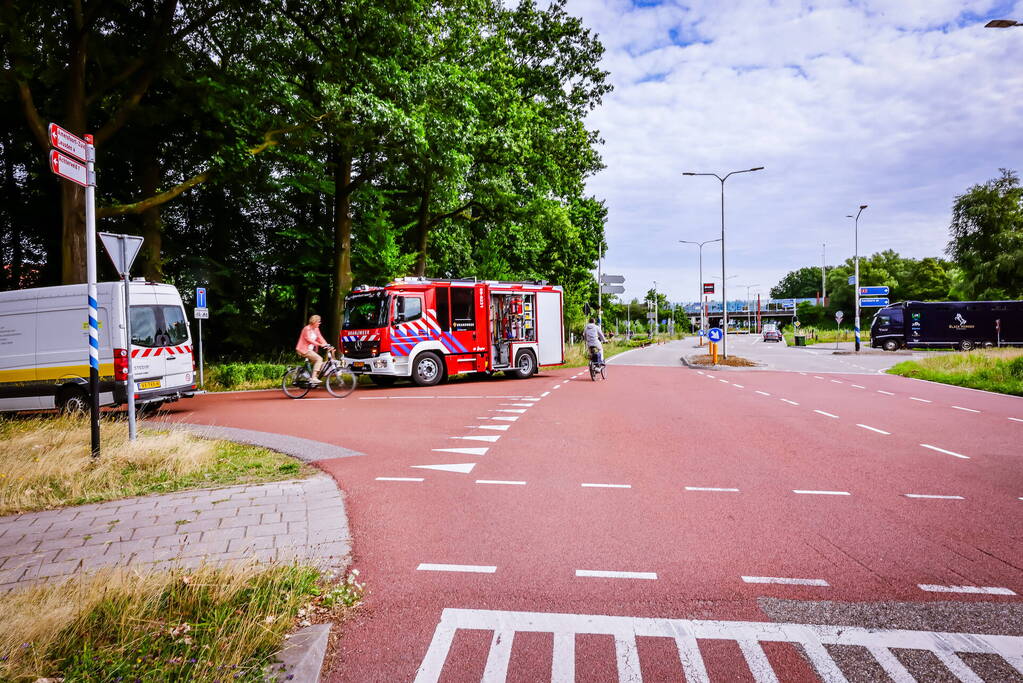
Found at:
[428, 329]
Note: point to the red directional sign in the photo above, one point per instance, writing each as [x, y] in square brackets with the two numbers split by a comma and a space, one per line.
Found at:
[68, 142]
[708, 287]
[66, 167]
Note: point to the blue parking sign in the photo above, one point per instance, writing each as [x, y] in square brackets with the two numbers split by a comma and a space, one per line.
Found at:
[200, 297]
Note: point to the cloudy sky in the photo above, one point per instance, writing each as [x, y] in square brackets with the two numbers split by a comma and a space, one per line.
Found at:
[898, 104]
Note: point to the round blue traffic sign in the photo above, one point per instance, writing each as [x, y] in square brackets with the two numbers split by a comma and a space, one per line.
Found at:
[702, 333]
[715, 334]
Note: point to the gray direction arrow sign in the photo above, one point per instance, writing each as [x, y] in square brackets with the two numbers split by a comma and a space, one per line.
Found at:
[612, 289]
[612, 279]
[122, 258]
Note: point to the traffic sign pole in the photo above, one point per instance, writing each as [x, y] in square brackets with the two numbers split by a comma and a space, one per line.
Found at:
[200, 298]
[90, 271]
[130, 381]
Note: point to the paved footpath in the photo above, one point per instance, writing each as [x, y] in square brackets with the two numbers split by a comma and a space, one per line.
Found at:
[285, 520]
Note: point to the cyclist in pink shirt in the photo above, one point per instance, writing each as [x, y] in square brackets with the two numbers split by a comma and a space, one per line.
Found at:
[308, 341]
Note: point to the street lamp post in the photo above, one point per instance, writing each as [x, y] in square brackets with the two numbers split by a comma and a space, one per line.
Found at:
[703, 316]
[724, 298]
[749, 304]
[824, 277]
[856, 276]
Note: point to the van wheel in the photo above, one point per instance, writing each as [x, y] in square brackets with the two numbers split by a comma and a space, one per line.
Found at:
[891, 345]
[525, 365]
[427, 370]
[966, 345]
[72, 401]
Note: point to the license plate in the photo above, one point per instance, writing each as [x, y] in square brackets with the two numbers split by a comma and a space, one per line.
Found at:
[358, 366]
[151, 384]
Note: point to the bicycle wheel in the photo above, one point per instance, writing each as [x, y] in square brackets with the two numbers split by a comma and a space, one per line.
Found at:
[593, 372]
[293, 384]
[340, 382]
[602, 374]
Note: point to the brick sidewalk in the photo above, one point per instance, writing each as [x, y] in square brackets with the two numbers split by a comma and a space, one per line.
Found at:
[300, 519]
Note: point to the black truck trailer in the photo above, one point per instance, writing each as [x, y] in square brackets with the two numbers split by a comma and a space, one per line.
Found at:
[961, 325]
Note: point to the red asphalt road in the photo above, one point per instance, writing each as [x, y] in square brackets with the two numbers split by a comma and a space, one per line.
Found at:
[658, 430]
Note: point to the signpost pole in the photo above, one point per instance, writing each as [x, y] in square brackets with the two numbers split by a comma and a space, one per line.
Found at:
[202, 382]
[600, 286]
[129, 385]
[90, 278]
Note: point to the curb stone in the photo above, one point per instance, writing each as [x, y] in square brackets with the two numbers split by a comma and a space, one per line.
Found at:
[301, 658]
[305, 450]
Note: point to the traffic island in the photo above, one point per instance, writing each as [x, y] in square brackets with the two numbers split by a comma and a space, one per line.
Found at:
[707, 361]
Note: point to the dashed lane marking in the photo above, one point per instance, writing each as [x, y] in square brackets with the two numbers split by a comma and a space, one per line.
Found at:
[837, 382]
[791, 402]
[785, 581]
[710, 488]
[470, 568]
[821, 412]
[874, 429]
[968, 410]
[985, 590]
[500, 481]
[922, 400]
[762, 393]
[738, 385]
[886, 393]
[817, 377]
[750, 636]
[942, 450]
[821, 493]
[933, 496]
[606, 486]
[490, 438]
[600, 574]
[858, 386]
[400, 479]
[723, 380]
[557, 386]
[545, 394]
[1015, 419]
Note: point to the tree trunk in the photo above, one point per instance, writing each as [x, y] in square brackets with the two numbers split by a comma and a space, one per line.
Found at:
[73, 261]
[423, 227]
[342, 239]
[152, 224]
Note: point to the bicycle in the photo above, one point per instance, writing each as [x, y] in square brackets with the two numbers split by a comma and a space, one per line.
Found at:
[596, 366]
[338, 381]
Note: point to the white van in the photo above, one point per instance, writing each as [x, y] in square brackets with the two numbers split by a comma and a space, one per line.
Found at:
[44, 346]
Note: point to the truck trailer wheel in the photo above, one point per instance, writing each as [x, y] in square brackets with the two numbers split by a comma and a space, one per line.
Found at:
[427, 370]
[72, 400]
[891, 345]
[525, 365]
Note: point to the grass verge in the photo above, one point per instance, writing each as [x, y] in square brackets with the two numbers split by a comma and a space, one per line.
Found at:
[46, 463]
[819, 335]
[208, 624]
[244, 376]
[998, 370]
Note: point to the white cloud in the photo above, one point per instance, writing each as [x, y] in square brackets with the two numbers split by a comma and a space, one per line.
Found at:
[899, 104]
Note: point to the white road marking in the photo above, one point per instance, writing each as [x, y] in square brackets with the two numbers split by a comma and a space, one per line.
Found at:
[922, 400]
[792, 402]
[490, 438]
[596, 573]
[738, 385]
[606, 486]
[942, 450]
[528, 398]
[886, 393]
[723, 380]
[400, 479]
[837, 382]
[545, 394]
[802, 373]
[502, 428]
[462, 468]
[1015, 419]
[858, 386]
[503, 418]
[785, 581]
[874, 429]
[373, 398]
[462, 451]
[557, 386]
[822, 493]
[986, 590]
[762, 393]
[470, 568]
[709, 488]
[500, 481]
[517, 405]
[509, 410]
[825, 414]
[932, 495]
[969, 410]
[817, 377]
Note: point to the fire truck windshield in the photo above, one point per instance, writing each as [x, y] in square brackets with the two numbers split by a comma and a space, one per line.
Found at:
[365, 311]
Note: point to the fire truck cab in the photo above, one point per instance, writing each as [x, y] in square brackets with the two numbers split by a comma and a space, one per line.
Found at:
[427, 329]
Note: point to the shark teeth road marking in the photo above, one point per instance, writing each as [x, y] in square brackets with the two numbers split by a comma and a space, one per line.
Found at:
[874, 429]
[462, 468]
[491, 438]
[932, 496]
[462, 451]
[986, 590]
[825, 414]
[505, 418]
[922, 400]
[942, 450]
[471, 568]
[517, 405]
[507, 410]
[790, 402]
[821, 493]
[785, 581]
[710, 488]
[400, 479]
[606, 486]
[499, 428]
[599, 574]
[968, 410]
[500, 481]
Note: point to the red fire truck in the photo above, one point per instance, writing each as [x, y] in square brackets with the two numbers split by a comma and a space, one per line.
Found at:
[427, 329]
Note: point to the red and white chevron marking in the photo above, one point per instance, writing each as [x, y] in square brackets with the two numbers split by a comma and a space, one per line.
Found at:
[163, 350]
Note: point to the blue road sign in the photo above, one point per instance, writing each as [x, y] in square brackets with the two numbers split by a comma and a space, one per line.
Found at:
[200, 297]
[702, 333]
[715, 334]
[874, 302]
[852, 279]
[874, 291]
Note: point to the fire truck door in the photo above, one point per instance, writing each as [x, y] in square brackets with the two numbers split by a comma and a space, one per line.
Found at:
[466, 333]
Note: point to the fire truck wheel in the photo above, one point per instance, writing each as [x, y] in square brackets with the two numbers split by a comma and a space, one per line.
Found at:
[427, 370]
[382, 380]
[525, 365]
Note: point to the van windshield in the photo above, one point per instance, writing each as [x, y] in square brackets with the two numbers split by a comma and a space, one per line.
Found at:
[156, 326]
[365, 311]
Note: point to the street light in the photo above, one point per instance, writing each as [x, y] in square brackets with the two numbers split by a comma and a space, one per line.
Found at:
[1003, 23]
[856, 252]
[724, 298]
[703, 316]
[749, 304]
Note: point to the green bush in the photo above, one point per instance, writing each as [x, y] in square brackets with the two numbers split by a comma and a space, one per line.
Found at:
[235, 375]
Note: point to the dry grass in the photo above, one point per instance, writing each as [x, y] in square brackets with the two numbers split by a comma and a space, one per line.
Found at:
[212, 623]
[731, 361]
[45, 463]
[999, 370]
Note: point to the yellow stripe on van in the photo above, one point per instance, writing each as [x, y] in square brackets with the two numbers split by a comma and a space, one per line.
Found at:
[44, 374]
